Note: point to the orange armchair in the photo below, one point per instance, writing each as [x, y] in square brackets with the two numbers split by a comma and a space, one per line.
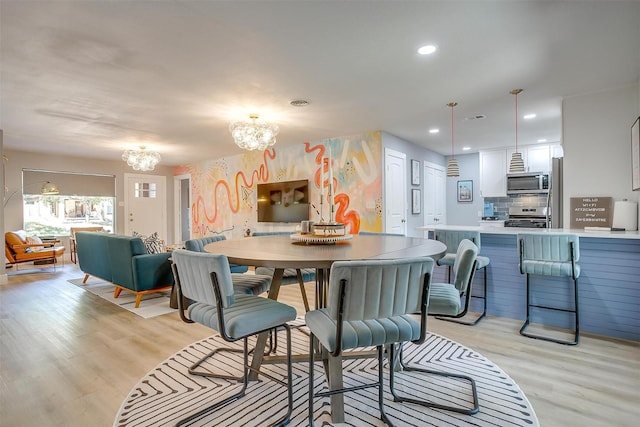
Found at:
[18, 250]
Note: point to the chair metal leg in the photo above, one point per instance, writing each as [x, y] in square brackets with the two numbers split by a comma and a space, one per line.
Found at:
[398, 398]
[483, 297]
[379, 384]
[544, 338]
[273, 343]
[383, 414]
[245, 380]
[226, 400]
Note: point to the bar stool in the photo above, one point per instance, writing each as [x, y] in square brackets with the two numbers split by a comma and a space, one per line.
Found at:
[550, 254]
[452, 239]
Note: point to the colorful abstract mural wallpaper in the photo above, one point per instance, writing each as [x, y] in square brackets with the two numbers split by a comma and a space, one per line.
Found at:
[224, 194]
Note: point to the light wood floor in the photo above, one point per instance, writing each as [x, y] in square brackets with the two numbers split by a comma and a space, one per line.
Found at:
[69, 358]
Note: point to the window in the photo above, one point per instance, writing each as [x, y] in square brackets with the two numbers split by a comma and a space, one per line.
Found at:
[145, 189]
[55, 215]
[84, 201]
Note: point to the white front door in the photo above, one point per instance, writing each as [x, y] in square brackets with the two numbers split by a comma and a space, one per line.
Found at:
[434, 194]
[395, 193]
[145, 205]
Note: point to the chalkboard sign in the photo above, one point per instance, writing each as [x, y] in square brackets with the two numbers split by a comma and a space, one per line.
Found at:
[591, 212]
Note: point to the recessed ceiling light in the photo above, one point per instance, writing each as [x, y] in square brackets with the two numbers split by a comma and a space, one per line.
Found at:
[299, 103]
[529, 116]
[542, 140]
[466, 148]
[427, 50]
[434, 130]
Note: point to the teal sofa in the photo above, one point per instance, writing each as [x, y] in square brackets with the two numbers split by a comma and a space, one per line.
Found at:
[123, 261]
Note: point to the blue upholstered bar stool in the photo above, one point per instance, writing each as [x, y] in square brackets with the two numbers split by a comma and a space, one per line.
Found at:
[550, 254]
[452, 238]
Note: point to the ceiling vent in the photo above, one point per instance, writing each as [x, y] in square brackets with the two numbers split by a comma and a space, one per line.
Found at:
[476, 117]
[299, 103]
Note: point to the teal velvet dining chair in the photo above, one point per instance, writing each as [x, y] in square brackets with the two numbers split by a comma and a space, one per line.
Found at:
[444, 302]
[198, 245]
[370, 304]
[205, 279]
[243, 284]
[550, 254]
[452, 238]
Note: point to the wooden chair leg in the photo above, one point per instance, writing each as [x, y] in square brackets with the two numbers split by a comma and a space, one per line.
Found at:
[138, 299]
[303, 291]
[116, 292]
[86, 277]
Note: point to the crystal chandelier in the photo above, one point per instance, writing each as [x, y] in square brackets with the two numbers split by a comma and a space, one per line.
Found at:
[453, 169]
[255, 134]
[140, 159]
[516, 164]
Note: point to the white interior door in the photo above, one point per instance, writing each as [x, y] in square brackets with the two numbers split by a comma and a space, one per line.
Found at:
[395, 193]
[145, 205]
[434, 194]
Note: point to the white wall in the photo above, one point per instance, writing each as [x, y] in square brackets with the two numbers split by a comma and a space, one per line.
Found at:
[597, 144]
[465, 213]
[3, 269]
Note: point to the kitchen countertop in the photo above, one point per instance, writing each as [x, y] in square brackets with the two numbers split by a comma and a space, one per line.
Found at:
[515, 230]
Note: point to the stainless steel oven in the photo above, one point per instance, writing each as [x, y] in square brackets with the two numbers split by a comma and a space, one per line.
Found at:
[527, 217]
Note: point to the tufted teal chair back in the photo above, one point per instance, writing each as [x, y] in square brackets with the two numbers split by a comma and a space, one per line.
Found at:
[378, 288]
[452, 238]
[549, 254]
[464, 266]
[195, 268]
[198, 245]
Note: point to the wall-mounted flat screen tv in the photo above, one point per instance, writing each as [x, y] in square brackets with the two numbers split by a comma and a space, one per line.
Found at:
[286, 201]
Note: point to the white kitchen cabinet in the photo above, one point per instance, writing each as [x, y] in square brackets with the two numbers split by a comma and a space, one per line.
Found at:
[493, 173]
[537, 158]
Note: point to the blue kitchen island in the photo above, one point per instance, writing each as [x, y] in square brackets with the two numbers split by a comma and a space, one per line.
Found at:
[609, 283]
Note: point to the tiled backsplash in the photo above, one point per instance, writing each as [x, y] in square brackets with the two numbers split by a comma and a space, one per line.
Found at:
[501, 205]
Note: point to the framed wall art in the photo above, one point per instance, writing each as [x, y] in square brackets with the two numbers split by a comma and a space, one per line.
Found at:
[465, 191]
[415, 201]
[415, 172]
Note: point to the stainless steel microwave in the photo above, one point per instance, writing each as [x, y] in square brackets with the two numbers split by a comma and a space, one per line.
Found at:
[527, 183]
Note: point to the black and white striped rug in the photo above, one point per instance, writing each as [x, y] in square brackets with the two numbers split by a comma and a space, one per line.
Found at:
[168, 393]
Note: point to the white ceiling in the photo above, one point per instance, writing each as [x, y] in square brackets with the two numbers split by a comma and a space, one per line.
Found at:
[92, 78]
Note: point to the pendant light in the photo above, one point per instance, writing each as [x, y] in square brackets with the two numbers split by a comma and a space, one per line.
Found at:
[453, 169]
[516, 165]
